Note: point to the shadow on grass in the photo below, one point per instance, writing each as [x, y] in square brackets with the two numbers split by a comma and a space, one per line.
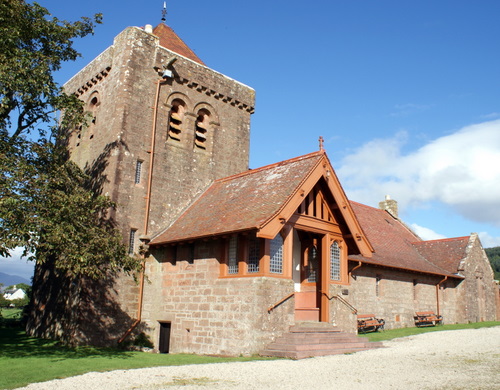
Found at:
[14, 343]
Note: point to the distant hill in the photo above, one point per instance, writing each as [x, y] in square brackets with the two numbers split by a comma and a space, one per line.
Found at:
[9, 280]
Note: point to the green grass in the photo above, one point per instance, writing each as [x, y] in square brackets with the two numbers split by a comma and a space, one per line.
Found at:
[25, 360]
[404, 332]
[11, 314]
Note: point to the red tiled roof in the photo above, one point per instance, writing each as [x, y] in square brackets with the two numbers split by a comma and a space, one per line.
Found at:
[393, 242]
[446, 253]
[241, 202]
[171, 41]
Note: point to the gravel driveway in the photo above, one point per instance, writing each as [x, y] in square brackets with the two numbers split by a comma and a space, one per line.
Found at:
[461, 359]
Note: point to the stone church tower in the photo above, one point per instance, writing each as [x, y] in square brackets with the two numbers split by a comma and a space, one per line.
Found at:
[164, 124]
[163, 127]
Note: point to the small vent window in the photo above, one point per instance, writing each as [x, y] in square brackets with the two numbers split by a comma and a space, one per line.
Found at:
[175, 119]
[335, 261]
[131, 242]
[276, 255]
[138, 168]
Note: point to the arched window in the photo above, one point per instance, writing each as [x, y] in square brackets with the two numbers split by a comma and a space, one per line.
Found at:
[202, 127]
[93, 110]
[335, 261]
[93, 105]
[175, 119]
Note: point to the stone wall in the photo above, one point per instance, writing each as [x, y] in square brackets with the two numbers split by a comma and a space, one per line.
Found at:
[396, 295]
[208, 314]
[477, 294]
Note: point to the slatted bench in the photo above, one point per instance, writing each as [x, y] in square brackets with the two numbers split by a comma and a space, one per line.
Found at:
[427, 318]
[368, 323]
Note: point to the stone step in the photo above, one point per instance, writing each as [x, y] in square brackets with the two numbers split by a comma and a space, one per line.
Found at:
[316, 339]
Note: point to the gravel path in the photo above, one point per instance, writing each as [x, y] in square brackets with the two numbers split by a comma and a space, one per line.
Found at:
[461, 359]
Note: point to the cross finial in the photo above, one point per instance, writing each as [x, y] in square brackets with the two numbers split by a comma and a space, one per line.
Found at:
[321, 140]
[164, 12]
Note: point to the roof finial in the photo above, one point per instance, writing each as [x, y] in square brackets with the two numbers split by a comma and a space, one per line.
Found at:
[321, 143]
[164, 12]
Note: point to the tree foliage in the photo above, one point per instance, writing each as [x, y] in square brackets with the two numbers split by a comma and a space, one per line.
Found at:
[48, 205]
[33, 45]
[494, 257]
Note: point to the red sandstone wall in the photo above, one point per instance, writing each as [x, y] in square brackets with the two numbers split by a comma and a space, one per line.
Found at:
[212, 315]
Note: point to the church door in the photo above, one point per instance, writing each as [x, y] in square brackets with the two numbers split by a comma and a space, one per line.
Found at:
[308, 300]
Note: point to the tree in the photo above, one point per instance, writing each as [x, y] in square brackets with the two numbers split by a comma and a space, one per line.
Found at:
[33, 45]
[494, 257]
[48, 205]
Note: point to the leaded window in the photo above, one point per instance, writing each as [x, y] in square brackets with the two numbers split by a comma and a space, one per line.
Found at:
[232, 262]
[312, 264]
[335, 261]
[276, 255]
[253, 255]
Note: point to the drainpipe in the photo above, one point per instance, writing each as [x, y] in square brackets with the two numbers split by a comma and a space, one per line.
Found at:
[146, 218]
[437, 293]
[355, 268]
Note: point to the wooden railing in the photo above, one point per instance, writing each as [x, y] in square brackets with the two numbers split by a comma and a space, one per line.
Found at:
[271, 308]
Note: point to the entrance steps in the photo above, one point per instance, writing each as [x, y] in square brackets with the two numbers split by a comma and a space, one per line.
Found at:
[308, 339]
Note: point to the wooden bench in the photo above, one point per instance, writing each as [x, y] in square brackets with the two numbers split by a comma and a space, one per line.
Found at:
[368, 323]
[427, 318]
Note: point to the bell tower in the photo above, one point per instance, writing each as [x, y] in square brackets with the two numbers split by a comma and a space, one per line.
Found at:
[163, 127]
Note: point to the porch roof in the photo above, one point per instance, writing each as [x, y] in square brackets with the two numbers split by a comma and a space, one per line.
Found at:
[396, 245]
[241, 202]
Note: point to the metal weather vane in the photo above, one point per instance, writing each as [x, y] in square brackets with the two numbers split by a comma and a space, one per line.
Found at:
[164, 12]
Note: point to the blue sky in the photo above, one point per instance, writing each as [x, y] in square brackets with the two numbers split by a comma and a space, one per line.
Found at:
[406, 94]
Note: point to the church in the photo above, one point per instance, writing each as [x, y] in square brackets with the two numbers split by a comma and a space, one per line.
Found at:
[234, 258]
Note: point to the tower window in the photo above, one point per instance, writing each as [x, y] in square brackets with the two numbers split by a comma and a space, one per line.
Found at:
[201, 130]
[93, 106]
[138, 168]
[175, 119]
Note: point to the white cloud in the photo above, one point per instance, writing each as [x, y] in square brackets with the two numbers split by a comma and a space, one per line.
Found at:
[488, 241]
[426, 233]
[461, 170]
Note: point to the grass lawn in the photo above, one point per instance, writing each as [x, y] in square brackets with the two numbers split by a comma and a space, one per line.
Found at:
[25, 360]
[11, 314]
[403, 332]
